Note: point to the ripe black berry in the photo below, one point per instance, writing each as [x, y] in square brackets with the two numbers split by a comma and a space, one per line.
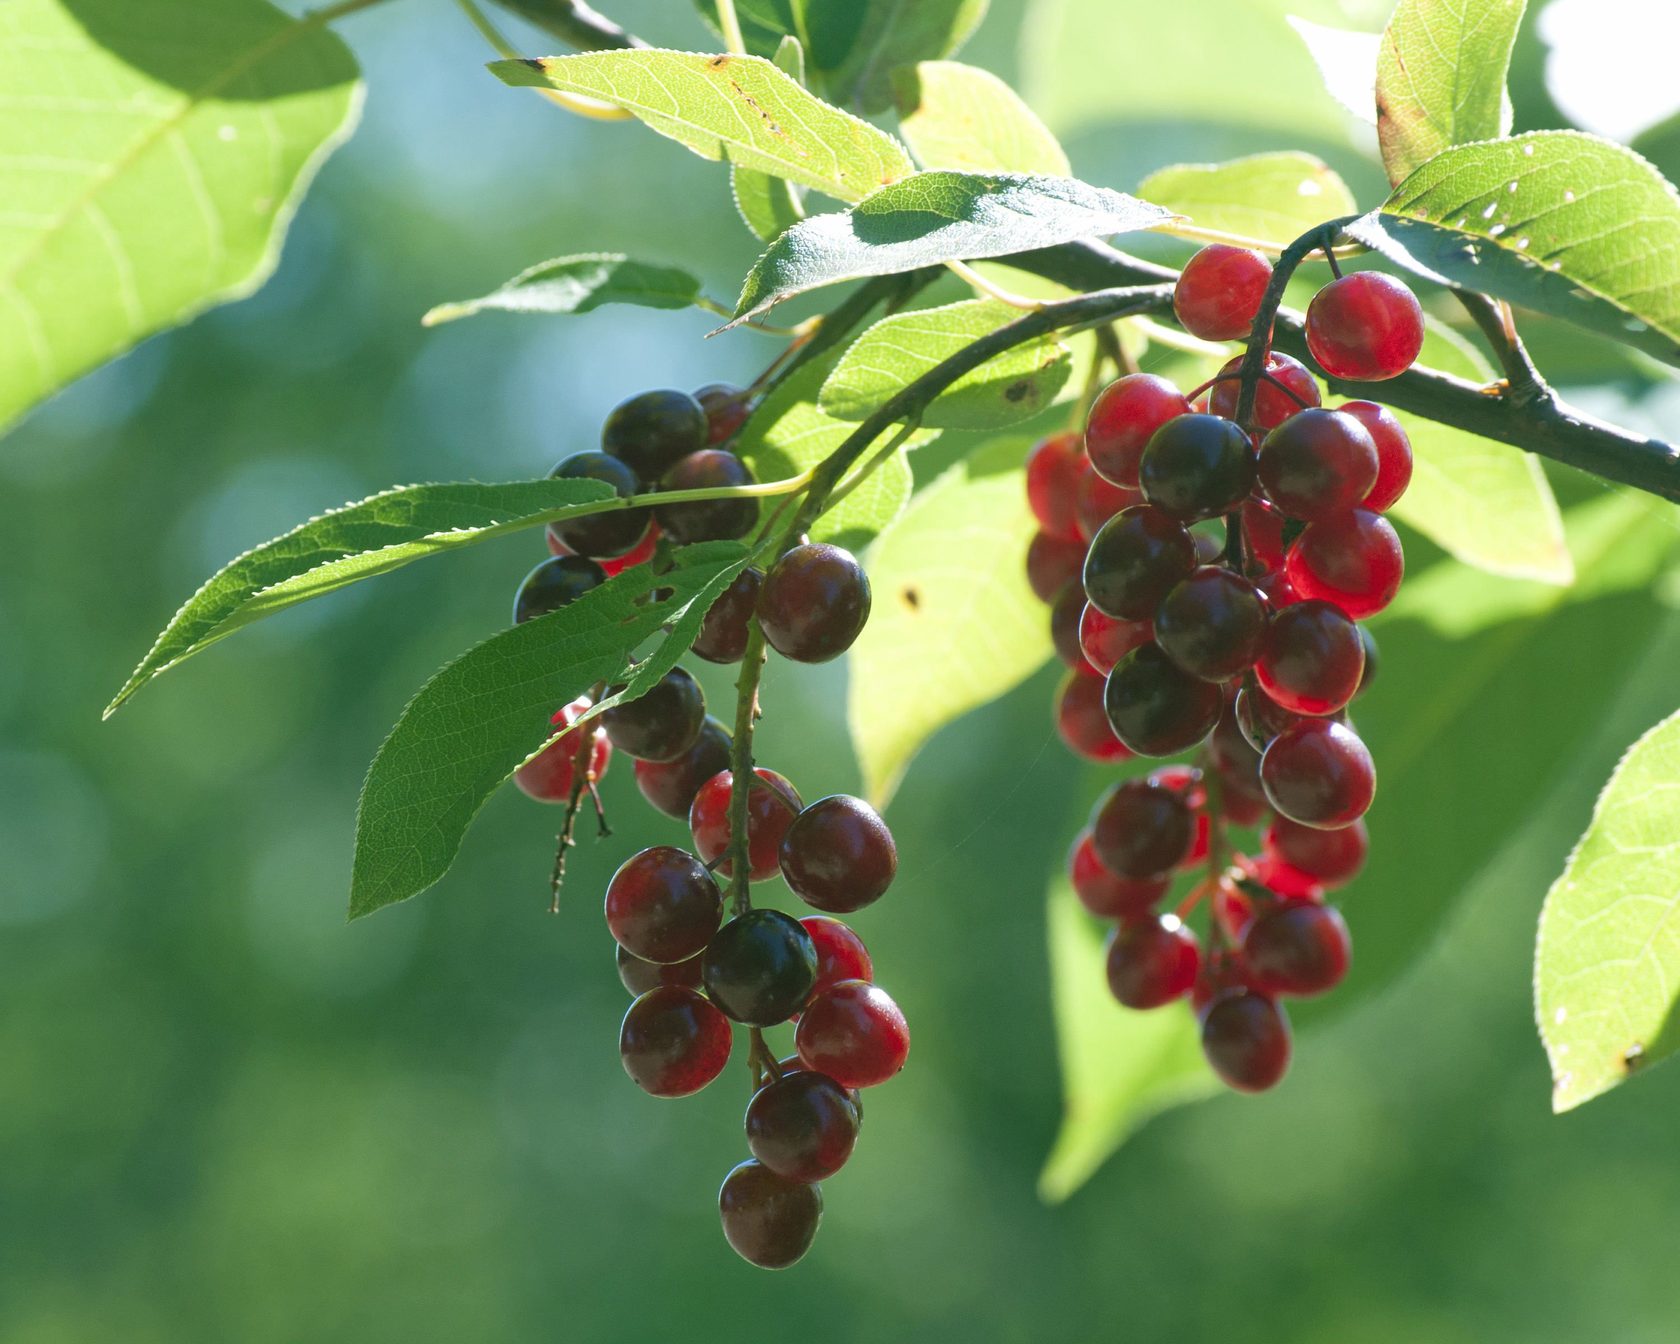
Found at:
[1317, 463]
[760, 967]
[1197, 466]
[769, 1220]
[673, 1042]
[1142, 829]
[813, 602]
[661, 725]
[1052, 563]
[838, 854]
[1157, 708]
[654, 430]
[1212, 624]
[802, 1126]
[707, 519]
[662, 905]
[639, 976]
[557, 582]
[1245, 1037]
[601, 534]
[1066, 612]
[723, 630]
[671, 785]
[1135, 560]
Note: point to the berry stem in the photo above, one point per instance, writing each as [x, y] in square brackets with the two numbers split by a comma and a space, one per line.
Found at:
[980, 284]
[730, 26]
[583, 780]
[741, 766]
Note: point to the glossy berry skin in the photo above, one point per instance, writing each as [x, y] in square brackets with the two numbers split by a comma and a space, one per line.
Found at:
[802, 1126]
[1098, 500]
[1328, 858]
[1135, 560]
[1197, 466]
[813, 603]
[768, 1220]
[1219, 290]
[1123, 418]
[661, 725]
[601, 534]
[1260, 717]
[726, 409]
[1052, 563]
[639, 976]
[1394, 452]
[1365, 327]
[639, 554]
[1299, 948]
[1082, 721]
[1352, 559]
[1311, 659]
[549, 776]
[670, 786]
[673, 1042]
[707, 519]
[838, 855]
[841, 954]
[1272, 405]
[1066, 612]
[1157, 708]
[1053, 470]
[1317, 463]
[1372, 660]
[1152, 961]
[1142, 829]
[557, 582]
[1245, 1037]
[1319, 773]
[854, 1033]
[1105, 641]
[760, 967]
[1103, 892]
[772, 804]
[1263, 533]
[1212, 624]
[662, 905]
[653, 431]
[723, 629]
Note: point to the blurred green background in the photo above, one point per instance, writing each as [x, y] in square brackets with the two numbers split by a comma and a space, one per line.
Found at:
[227, 1115]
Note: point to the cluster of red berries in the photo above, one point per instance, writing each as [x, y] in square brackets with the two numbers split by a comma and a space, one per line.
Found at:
[1205, 576]
[693, 973]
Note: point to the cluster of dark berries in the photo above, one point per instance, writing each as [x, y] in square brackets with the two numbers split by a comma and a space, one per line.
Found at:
[1205, 576]
[693, 973]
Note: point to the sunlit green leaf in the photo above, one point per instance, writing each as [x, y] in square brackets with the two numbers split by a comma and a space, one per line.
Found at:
[963, 118]
[1270, 197]
[580, 284]
[890, 34]
[771, 204]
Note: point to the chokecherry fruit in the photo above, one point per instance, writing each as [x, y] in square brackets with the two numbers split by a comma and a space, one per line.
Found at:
[760, 967]
[1066, 612]
[1262, 527]
[707, 519]
[841, 954]
[1105, 641]
[1317, 463]
[639, 976]
[1365, 327]
[557, 582]
[1053, 470]
[1245, 1037]
[1157, 708]
[724, 628]
[652, 431]
[1260, 717]
[1394, 452]
[1104, 892]
[854, 1033]
[769, 1220]
[673, 1042]
[1327, 858]
[1352, 559]
[1142, 829]
[1123, 418]
[550, 775]
[1319, 773]
[1135, 560]
[661, 725]
[1082, 721]
[670, 786]
[726, 411]
[1098, 500]
[1052, 563]
[1272, 404]
[813, 603]
[1297, 948]
[1311, 659]
[662, 905]
[772, 804]
[802, 1126]
[1152, 961]
[838, 855]
[1212, 624]
[1196, 466]
[601, 534]
[1218, 293]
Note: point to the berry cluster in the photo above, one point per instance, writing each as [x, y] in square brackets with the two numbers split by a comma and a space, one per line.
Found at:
[693, 972]
[1206, 558]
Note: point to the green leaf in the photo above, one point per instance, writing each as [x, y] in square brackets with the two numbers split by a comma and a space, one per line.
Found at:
[1272, 197]
[1556, 221]
[739, 108]
[1441, 78]
[770, 205]
[954, 624]
[1008, 388]
[1347, 63]
[1607, 966]
[358, 541]
[893, 33]
[478, 719]
[150, 159]
[961, 117]
[933, 218]
[765, 24]
[580, 284]
[1486, 503]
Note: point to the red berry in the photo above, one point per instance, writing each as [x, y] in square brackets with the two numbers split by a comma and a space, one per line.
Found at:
[1197, 466]
[1081, 720]
[662, 905]
[814, 603]
[724, 629]
[670, 786]
[1156, 707]
[1142, 829]
[662, 724]
[1329, 858]
[1211, 624]
[550, 774]
[855, 1034]
[1099, 500]
[841, 954]
[1104, 892]
[1298, 948]
[1394, 452]
[1365, 327]
[1052, 563]
[1245, 1037]
[639, 976]
[1152, 961]
[1134, 562]
[707, 519]
[640, 554]
[1263, 533]
[1065, 614]
[772, 805]
[802, 1126]
[1053, 469]
[1311, 659]
[1319, 773]
[768, 1220]
[1289, 882]
[1123, 417]
[1352, 559]
[726, 411]
[1317, 463]
[1105, 641]
[673, 1042]
[838, 854]
[1218, 293]
[1272, 405]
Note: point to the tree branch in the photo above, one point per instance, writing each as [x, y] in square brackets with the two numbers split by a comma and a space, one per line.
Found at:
[574, 23]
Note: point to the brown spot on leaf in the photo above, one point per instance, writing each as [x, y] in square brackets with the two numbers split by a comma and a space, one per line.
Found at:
[1019, 390]
[1633, 1058]
[532, 62]
[718, 62]
[911, 596]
